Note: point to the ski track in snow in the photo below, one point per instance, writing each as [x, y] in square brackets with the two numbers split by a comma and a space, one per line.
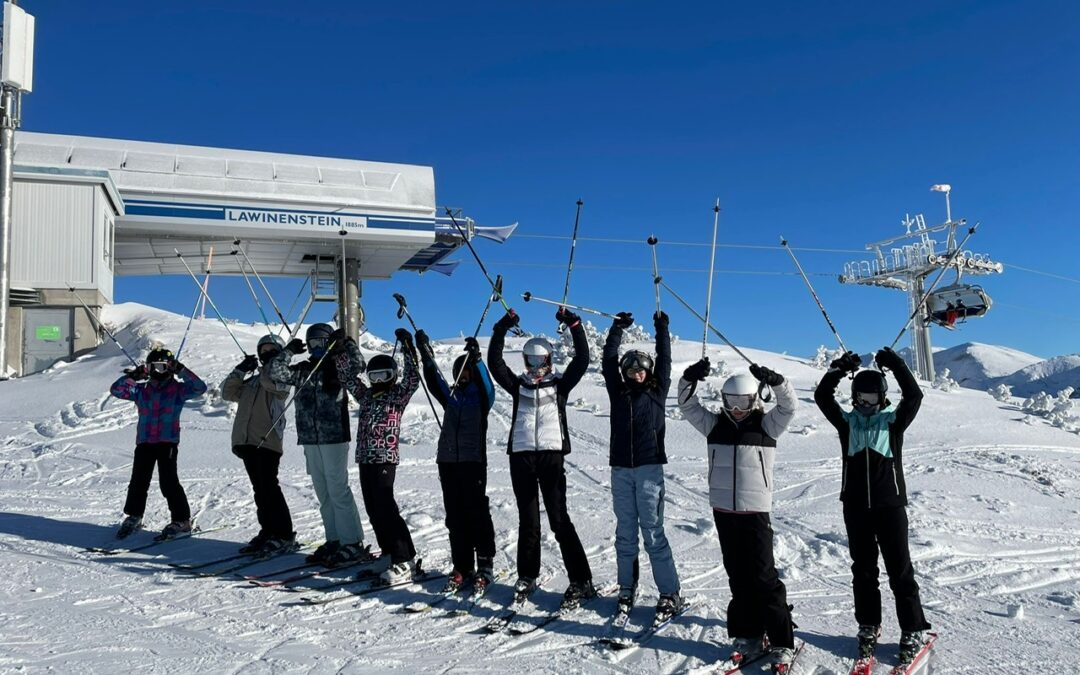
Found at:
[994, 524]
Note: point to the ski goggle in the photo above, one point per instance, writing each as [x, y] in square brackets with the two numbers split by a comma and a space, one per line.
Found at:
[316, 343]
[738, 401]
[380, 376]
[866, 399]
[158, 367]
[536, 360]
[636, 363]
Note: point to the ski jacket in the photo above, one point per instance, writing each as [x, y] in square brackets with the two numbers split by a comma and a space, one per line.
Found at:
[539, 417]
[464, 426]
[260, 406]
[872, 447]
[379, 424]
[637, 413]
[322, 406]
[741, 454]
[159, 403]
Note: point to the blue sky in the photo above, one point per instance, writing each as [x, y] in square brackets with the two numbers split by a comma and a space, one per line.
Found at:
[824, 124]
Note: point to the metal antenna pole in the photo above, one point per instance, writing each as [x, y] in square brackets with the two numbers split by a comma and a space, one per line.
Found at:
[922, 301]
[652, 241]
[573, 245]
[254, 295]
[708, 326]
[207, 296]
[101, 325]
[284, 321]
[784, 243]
[528, 297]
[712, 263]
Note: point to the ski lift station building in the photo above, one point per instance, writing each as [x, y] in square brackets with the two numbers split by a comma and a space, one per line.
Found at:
[88, 209]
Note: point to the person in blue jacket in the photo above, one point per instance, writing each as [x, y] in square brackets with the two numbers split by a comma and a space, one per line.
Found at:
[462, 461]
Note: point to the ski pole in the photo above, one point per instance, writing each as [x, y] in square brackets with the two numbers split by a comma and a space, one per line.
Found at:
[477, 257]
[300, 292]
[528, 297]
[198, 300]
[708, 326]
[236, 242]
[101, 325]
[296, 391]
[206, 281]
[479, 325]
[573, 245]
[403, 310]
[254, 295]
[652, 241]
[208, 299]
[922, 300]
[784, 243]
[712, 263]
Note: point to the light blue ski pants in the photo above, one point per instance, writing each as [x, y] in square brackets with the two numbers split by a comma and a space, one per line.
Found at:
[328, 466]
[638, 498]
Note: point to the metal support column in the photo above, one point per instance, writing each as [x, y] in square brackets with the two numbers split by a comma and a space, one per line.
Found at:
[349, 315]
[7, 150]
[922, 354]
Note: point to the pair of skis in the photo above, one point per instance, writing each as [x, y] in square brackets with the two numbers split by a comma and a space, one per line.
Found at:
[274, 579]
[727, 667]
[369, 582]
[510, 621]
[157, 541]
[865, 666]
[239, 561]
[620, 637]
[465, 603]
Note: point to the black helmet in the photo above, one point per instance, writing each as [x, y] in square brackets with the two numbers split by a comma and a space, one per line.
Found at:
[381, 369]
[636, 360]
[160, 363]
[868, 389]
[318, 338]
[459, 364]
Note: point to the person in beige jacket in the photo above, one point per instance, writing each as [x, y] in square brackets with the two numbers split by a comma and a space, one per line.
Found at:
[257, 435]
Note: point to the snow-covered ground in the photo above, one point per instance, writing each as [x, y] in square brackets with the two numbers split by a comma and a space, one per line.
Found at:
[994, 512]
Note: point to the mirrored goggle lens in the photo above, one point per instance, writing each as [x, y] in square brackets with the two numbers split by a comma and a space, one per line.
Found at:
[316, 343]
[634, 370]
[867, 398]
[159, 367]
[379, 376]
[533, 361]
[269, 352]
[738, 401]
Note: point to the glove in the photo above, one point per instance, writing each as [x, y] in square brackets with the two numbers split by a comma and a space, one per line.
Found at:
[507, 322]
[136, 373]
[565, 316]
[296, 346]
[404, 336]
[423, 345]
[697, 372]
[623, 320]
[887, 358]
[177, 367]
[249, 364]
[766, 376]
[337, 339]
[849, 362]
[660, 320]
[472, 349]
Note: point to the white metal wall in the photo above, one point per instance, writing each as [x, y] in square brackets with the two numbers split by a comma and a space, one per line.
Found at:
[54, 238]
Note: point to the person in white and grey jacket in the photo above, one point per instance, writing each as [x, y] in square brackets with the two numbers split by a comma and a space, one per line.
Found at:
[742, 452]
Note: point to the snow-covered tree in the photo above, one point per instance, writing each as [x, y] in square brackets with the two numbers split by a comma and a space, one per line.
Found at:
[944, 382]
[824, 357]
[1002, 392]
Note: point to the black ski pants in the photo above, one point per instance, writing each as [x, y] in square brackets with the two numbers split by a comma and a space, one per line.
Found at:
[758, 598]
[468, 518]
[541, 473]
[377, 488]
[270, 506]
[163, 455]
[886, 529]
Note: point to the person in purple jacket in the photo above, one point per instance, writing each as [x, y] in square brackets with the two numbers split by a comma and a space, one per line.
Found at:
[158, 388]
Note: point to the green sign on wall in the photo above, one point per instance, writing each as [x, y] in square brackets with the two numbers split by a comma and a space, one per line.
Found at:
[47, 333]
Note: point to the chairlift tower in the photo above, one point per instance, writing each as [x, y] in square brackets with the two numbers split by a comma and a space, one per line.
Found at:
[904, 263]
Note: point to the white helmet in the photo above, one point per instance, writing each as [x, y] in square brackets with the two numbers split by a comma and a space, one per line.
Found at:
[740, 392]
[537, 355]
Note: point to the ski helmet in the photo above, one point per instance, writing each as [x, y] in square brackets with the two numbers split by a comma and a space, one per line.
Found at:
[269, 339]
[160, 363]
[739, 393]
[635, 360]
[459, 365]
[537, 355]
[868, 389]
[317, 338]
[382, 369]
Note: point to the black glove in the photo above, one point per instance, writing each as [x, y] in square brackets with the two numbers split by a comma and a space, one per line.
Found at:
[887, 358]
[766, 376]
[337, 339]
[296, 346]
[660, 320]
[177, 367]
[849, 362]
[623, 320]
[423, 345]
[697, 372]
[565, 316]
[510, 320]
[136, 373]
[403, 336]
[472, 349]
[249, 364]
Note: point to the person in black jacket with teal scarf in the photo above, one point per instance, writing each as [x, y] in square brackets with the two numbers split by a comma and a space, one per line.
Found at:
[873, 490]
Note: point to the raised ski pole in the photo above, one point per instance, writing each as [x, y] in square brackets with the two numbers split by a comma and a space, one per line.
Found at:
[922, 300]
[476, 256]
[300, 292]
[198, 299]
[101, 325]
[528, 297]
[708, 326]
[479, 325]
[403, 310]
[573, 245]
[254, 295]
[208, 299]
[206, 281]
[784, 243]
[284, 321]
[652, 241]
[712, 263]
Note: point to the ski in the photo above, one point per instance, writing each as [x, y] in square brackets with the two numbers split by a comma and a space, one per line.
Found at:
[921, 659]
[863, 666]
[617, 632]
[105, 551]
[374, 585]
[506, 615]
[208, 563]
[524, 627]
[646, 633]
[239, 561]
[264, 580]
[727, 667]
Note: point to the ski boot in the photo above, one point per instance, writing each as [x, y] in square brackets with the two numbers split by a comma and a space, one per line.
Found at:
[523, 588]
[482, 580]
[911, 643]
[454, 581]
[625, 602]
[346, 555]
[668, 606]
[276, 546]
[576, 593]
[782, 660]
[129, 525]
[868, 638]
[744, 650]
[399, 572]
[173, 529]
[320, 555]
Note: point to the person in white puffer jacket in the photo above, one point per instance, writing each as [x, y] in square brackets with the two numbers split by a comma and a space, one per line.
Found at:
[742, 452]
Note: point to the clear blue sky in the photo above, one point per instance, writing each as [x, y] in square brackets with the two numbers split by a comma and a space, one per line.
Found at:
[822, 123]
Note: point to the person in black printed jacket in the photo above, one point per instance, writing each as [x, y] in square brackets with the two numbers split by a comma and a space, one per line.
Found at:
[539, 438]
[874, 493]
[382, 405]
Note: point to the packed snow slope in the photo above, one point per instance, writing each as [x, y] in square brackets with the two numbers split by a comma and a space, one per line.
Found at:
[976, 365]
[995, 526]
